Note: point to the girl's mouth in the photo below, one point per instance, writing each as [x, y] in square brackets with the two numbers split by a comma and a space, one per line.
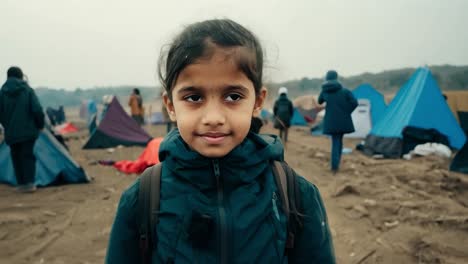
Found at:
[214, 137]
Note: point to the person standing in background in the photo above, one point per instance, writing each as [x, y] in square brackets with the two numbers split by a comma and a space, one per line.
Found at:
[22, 117]
[136, 106]
[337, 121]
[283, 112]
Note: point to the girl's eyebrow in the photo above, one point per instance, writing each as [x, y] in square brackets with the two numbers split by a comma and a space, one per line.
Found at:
[188, 89]
[226, 88]
[236, 87]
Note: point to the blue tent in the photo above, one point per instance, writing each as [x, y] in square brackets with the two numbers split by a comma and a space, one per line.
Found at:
[420, 104]
[298, 119]
[266, 115]
[53, 163]
[376, 99]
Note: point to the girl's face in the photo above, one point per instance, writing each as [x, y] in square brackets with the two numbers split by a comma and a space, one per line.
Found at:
[213, 103]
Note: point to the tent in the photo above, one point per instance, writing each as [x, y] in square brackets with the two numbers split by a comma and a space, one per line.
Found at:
[117, 128]
[156, 118]
[92, 124]
[53, 163]
[65, 128]
[266, 115]
[420, 104]
[463, 118]
[376, 100]
[297, 119]
[309, 114]
[148, 157]
[460, 161]
[361, 119]
[56, 116]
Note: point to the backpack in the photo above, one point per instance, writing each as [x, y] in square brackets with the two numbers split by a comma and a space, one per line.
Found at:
[149, 195]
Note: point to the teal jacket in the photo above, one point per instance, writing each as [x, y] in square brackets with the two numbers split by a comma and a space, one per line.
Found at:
[21, 113]
[238, 196]
[340, 105]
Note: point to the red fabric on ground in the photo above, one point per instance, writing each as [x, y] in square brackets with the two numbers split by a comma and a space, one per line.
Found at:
[148, 158]
[66, 128]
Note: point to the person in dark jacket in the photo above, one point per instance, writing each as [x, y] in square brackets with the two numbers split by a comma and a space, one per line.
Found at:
[337, 121]
[218, 198]
[22, 117]
[283, 111]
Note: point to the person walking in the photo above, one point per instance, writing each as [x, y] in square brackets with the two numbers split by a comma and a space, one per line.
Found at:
[283, 111]
[136, 106]
[22, 117]
[337, 121]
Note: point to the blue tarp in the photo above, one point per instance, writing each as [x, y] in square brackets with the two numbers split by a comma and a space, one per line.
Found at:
[419, 103]
[297, 119]
[376, 99]
[53, 163]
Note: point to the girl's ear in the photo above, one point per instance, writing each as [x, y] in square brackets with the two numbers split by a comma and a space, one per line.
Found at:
[259, 101]
[169, 107]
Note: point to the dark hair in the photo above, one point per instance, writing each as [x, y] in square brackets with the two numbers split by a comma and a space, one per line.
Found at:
[200, 39]
[15, 72]
[136, 91]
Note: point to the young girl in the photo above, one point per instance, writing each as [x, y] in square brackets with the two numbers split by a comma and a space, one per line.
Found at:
[214, 171]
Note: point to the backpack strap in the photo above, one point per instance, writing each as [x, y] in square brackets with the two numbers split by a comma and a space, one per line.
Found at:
[286, 181]
[148, 205]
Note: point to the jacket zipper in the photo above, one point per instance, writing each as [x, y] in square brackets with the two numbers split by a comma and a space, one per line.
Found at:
[221, 212]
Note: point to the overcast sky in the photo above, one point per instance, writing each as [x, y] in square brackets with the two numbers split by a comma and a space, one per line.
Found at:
[87, 43]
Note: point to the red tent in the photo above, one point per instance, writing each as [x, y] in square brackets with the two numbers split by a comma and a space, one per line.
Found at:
[66, 128]
[148, 158]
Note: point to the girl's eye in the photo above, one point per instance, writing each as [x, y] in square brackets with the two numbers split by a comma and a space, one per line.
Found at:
[193, 98]
[233, 97]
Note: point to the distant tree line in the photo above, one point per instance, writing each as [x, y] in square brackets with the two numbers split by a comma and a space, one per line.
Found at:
[448, 77]
[56, 97]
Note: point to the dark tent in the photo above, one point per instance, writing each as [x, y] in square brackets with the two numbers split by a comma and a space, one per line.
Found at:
[53, 165]
[460, 161]
[463, 118]
[117, 128]
[56, 116]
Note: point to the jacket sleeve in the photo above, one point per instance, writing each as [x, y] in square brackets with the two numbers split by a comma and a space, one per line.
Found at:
[37, 111]
[321, 99]
[1, 108]
[313, 243]
[352, 101]
[275, 108]
[123, 244]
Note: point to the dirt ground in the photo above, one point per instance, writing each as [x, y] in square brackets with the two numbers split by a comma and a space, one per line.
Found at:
[380, 211]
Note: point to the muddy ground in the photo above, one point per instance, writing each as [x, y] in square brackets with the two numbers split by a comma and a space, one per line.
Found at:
[380, 211]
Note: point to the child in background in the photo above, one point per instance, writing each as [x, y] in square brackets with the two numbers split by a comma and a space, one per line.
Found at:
[213, 169]
[283, 111]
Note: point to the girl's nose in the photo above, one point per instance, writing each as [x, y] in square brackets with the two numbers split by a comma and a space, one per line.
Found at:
[213, 115]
